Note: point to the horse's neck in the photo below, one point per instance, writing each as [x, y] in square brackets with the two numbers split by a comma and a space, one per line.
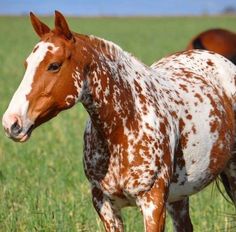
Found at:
[112, 78]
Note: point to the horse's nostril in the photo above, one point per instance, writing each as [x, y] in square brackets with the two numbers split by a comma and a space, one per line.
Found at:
[16, 129]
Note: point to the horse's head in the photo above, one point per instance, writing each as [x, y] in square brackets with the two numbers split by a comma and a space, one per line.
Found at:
[52, 82]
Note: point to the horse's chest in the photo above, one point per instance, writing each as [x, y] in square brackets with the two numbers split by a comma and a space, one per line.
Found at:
[124, 169]
[118, 174]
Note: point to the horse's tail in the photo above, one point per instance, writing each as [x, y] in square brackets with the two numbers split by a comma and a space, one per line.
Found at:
[227, 177]
[224, 180]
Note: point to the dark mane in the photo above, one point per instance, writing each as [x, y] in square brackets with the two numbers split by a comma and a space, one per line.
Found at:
[197, 44]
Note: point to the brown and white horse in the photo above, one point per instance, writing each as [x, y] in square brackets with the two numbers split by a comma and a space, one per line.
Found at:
[155, 135]
[217, 40]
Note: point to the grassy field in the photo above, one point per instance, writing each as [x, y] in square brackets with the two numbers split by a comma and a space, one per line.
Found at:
[42, 183]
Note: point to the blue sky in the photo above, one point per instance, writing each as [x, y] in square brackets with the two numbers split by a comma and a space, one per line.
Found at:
[115, 7]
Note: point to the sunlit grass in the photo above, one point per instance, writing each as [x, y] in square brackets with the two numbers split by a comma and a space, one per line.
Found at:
[42, 183]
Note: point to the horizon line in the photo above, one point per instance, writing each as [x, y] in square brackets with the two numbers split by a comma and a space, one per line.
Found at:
[122, 15]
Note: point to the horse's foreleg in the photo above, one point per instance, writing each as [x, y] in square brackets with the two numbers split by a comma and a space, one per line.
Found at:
[109, 214]
[179, 212]
[153, 207]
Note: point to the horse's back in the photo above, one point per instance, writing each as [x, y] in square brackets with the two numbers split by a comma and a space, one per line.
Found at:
[205, 88]
[214, 68]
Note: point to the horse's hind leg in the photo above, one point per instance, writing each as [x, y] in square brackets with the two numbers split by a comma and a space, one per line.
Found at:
[179, 212]
[228, 177]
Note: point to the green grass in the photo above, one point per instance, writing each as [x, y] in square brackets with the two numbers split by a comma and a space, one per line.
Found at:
[42, 183]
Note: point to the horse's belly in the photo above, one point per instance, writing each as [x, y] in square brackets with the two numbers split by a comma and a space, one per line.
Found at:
[189, 183]
[197, 166]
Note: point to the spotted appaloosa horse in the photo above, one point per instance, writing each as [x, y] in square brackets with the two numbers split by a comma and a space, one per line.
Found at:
[155, 135]
[217, 40]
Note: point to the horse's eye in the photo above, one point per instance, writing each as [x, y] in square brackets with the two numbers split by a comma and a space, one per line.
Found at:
[54, 67]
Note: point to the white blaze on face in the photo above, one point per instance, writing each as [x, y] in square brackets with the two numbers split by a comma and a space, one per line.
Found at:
[19, 103]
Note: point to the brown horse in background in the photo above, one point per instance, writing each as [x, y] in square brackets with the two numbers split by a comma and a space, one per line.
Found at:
[217, 40]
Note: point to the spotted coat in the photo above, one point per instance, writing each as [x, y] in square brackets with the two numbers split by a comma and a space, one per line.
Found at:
[177, 131]
[155, 134]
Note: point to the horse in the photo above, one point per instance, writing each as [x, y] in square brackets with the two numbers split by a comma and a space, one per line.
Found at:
[155, 134]
[217, 40]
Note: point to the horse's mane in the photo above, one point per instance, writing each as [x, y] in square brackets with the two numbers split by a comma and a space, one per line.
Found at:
[109, 49]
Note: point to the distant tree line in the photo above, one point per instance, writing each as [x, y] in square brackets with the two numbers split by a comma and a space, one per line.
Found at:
[229, 10]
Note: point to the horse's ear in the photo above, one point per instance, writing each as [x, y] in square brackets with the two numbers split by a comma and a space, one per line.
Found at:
[39, 27]
[61, 25]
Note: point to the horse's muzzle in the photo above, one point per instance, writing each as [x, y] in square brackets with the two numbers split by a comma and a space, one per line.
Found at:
[14, 129]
